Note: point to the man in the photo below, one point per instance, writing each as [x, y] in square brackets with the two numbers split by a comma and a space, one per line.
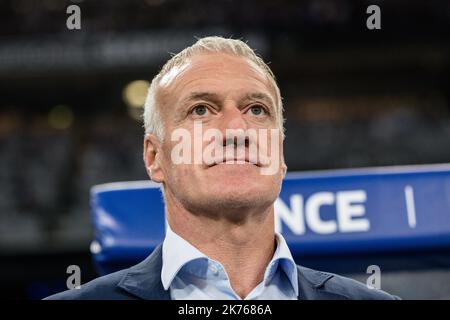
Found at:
[220, 241]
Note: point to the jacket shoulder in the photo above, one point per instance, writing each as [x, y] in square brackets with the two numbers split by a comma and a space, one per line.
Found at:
[102, 288]
[333, 286]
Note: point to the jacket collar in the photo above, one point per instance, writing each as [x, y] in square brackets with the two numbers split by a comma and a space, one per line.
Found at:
[144, 280]
[311, 285]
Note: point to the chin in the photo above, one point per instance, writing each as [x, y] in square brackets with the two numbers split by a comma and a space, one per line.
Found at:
[236, 203]
[242, 193]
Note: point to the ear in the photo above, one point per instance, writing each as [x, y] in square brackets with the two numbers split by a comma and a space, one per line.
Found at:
[284, 169]
[283, 166]
[152, 158]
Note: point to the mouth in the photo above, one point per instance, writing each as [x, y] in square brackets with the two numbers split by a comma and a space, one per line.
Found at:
[234, 161]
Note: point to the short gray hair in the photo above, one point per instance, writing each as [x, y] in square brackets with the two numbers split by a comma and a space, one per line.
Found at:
[152, 119]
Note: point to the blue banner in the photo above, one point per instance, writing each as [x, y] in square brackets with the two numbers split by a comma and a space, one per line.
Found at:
[353, 211]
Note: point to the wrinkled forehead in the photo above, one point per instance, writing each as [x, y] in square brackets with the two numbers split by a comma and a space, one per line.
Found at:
[214, 67]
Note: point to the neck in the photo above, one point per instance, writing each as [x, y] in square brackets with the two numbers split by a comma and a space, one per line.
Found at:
[244, 247]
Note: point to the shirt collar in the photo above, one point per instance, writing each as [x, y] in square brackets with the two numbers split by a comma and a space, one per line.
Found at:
[177, 252]
[283, 258]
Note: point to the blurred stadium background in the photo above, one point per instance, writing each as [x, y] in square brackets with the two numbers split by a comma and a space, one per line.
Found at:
[71, 101]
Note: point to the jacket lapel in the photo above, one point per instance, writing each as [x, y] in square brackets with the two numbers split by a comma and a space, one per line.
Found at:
[311, 285]
[144, 279]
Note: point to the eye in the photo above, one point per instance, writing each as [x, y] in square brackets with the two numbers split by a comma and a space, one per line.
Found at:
[199, 110]
[257, 110]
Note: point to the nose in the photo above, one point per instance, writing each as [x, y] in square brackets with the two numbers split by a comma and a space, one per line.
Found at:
[233, 118]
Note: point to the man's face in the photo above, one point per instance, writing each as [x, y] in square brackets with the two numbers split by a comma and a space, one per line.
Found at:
[221, 92]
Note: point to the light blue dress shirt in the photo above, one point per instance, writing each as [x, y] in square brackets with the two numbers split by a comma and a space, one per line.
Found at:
[190, 274]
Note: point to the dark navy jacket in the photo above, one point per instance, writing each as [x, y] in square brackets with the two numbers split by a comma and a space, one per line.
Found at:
[143, 281]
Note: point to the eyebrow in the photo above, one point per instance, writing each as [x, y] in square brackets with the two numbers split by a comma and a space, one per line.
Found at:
[215, 98]
[259, 96]
[207, 96]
